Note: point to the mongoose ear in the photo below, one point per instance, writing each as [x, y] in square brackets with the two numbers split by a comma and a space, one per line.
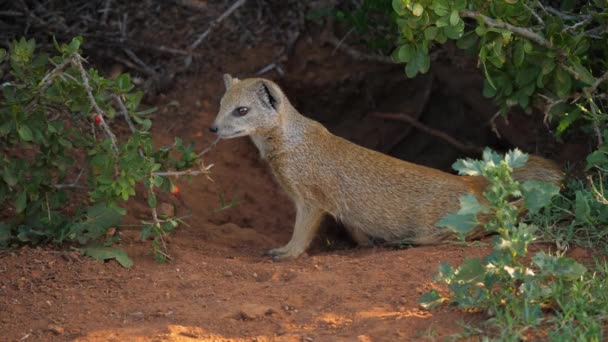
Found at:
[271, 95]
[229, 81]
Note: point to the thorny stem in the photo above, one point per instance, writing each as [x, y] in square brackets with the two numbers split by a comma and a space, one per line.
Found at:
[48, 79]
[524, 32]
[157, 223]
[124, 111]
[190, 172]
[77, 62]
[74, 184]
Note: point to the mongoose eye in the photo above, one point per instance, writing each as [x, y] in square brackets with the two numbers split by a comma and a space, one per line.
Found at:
[241, 111]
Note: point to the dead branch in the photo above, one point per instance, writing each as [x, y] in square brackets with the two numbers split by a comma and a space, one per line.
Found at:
[355, 54]
[216, 22]
[146, 69]
[203, 152]
[106, 11]
[48, 78]
[421, 105]
[74, 184]
[193, 4]
[536, 16]
[464, 147]
[124, 112]
[597, 83]
[190, 172]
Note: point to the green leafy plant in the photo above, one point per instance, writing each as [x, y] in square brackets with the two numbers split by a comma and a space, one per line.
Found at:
[59, 148]
[516, 292]
[532, 53]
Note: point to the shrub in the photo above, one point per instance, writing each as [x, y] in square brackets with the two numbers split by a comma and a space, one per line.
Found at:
[59, 148]
[552, 292]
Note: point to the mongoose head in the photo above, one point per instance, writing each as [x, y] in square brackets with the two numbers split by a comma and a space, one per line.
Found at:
[249, 107]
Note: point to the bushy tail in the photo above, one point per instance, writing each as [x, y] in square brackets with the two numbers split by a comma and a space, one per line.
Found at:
[539, 169]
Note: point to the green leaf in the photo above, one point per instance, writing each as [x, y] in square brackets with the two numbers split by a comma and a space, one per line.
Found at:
[146, 124]
[563, 83]
[123, 82]
[460, 224]
[443, 21]
[146, 232]
[101, 253]
[95, 222]
[74, 45]
[424, 61]
[430, 300]
[5, 234]
[20, 201]
[25, 133]
[9, 177]
[411, 69]
[597, 158]
[146, 111]
[152, 201]
[417, 10]
[445, 274]
[470, 271]
[518, 53]
[470, 205]
[454, 18]
[488, 89]
[399, 7]
[405, 53]
[584, 74]
[538, 194]
[583, 210]
[441, 8]
[516, 158]
[430, 32]
[454, 31]
[467, 167]
[459, 5]
[559, 266]
[492, 158]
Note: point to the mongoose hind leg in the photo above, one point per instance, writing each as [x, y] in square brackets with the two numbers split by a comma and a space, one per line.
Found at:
[362, 239]
[308, 219]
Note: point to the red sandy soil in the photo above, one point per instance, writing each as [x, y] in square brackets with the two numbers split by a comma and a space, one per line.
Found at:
[219, 287]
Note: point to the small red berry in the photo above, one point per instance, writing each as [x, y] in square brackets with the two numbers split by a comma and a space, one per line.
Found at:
[175, 190]
[97, 119]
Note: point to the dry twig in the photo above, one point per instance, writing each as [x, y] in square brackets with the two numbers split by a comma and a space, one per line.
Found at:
[464, 147]
[355, 54]
[524, 32]
[216, 22]
[77, 62]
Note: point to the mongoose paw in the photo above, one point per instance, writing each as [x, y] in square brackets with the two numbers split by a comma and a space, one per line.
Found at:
[276, 252]
[283, 254]
[285, 257]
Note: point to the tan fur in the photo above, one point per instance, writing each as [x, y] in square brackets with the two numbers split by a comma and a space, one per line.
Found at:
[373, 194]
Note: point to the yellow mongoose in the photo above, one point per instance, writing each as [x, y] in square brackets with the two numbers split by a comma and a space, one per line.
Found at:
[373, 194]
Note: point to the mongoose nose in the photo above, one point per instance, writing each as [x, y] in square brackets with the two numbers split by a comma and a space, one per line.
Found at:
[213, 129]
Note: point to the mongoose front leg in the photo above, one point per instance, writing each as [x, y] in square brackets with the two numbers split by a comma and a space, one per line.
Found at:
[307, 223]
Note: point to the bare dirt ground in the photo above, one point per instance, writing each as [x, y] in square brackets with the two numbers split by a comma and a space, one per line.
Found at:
[219, 287]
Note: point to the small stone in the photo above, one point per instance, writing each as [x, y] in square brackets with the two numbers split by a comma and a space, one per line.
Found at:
[138, 315]
[228, 274]
[253, 311]
[55, 329]
[364, 338]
